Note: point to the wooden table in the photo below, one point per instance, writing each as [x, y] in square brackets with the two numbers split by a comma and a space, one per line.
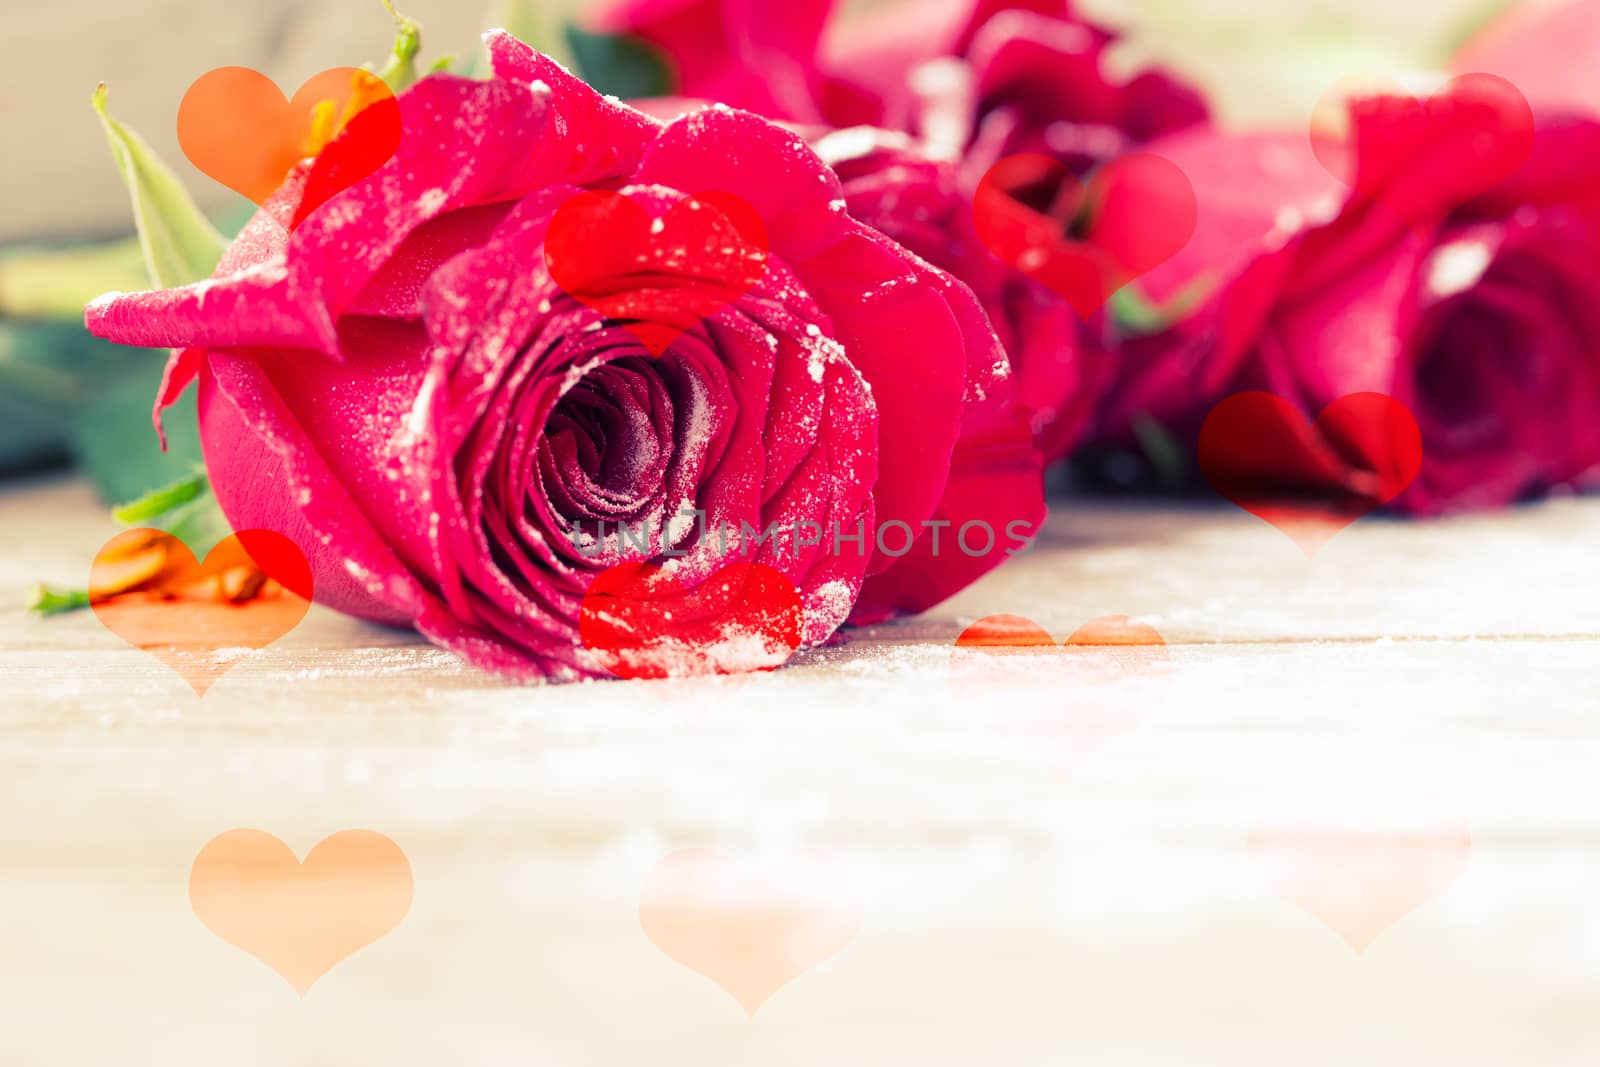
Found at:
[1412, 719]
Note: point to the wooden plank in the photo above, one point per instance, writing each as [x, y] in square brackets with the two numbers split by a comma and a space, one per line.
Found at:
[1052, 863]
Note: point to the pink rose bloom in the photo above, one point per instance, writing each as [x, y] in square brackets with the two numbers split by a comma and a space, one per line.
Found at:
[1479, 310]
[967, 82]
[401, 388]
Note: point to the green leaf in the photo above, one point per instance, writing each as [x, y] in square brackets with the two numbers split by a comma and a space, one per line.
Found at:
[619, 65]
[179, 243]
[158, 502]
[199, 524]
[55, 283]
[35, 368]
[400, 70]
[1161, 448]
[115, 445]
[1136, 315]
[49, 368]
[31, 433]
[44, 600]
[187, 509]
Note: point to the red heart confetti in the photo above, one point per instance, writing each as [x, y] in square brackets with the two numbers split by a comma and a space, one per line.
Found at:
[662, 276]
[640, 622]
[1085, 241]
[1310, 480]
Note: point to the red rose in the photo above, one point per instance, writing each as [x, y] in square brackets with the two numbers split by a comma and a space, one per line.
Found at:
[1059, 364]
[991, 78]
[1015, 75]
[968, 82]
[1479, 311]
[402, 388]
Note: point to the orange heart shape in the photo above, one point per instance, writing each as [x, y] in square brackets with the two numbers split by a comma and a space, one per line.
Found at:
[200, 619]
[750, 927]
[1110, 644]
[235, 125]
[1359, 884]
[1001, 656]
[298, 918]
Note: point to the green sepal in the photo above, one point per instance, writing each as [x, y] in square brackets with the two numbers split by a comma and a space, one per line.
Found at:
[158, 502]
[1136, 315]
[46, 600]
[179, 243]
[399, 71]
[186, 508]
